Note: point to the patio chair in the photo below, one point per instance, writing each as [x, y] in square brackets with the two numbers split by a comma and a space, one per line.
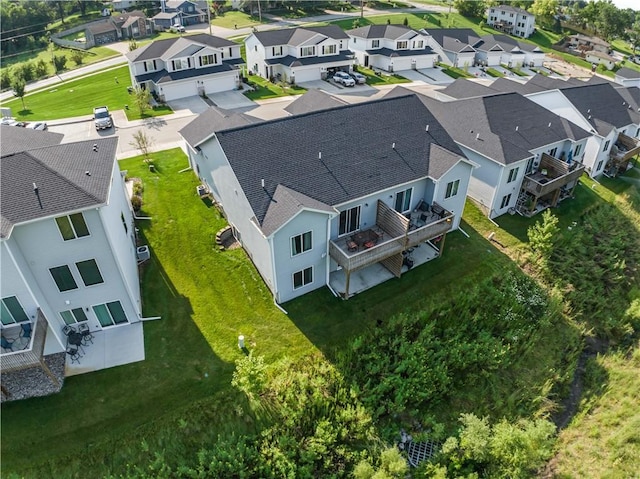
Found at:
[352, 246]
[73, 354]
[7, 344]
[87, 337]
[67, 330]
[26, 330]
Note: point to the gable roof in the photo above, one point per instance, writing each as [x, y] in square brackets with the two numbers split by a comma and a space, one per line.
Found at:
[159, 48]
[628, 73]
[299, 35]
[16, 139]
[287, 203]
[313, 100]
[509, 8]
[390, 32]
[464, 88]
[603, 106]
[457, 40]
[102, 27]
[507, 43]
[211, 120]
[69, 177]
[351, 156]
[503, 127]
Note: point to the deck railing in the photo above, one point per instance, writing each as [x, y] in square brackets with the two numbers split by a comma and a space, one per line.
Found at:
[31, 356]
[558, 175]
[631, 147]
[429, 231]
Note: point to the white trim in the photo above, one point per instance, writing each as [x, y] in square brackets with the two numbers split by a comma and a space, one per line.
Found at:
[99, 272]
[11, 314]
[54, 280]
[293, 280]
[359, 206]
[105, 305]
[291, 253]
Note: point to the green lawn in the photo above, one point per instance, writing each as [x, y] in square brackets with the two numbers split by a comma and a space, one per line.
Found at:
[455, 72]
[264, 89]
[78, 97]
[234, 18]
[382, 79]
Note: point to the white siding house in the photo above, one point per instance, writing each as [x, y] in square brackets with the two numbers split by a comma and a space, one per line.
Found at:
[72, 199]
[391, 48]
[186, 66]
[512, 20]
[332, 207]
[298, 55]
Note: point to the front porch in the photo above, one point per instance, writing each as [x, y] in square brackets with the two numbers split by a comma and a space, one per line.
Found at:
[551, 183]
[622, 152]
[385, 250]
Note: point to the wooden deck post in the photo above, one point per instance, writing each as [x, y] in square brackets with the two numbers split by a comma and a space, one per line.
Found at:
[441, 249]
[346, 289]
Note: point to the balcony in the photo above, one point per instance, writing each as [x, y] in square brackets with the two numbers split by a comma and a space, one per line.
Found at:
[28, 350]
[552, 175]
[383, 244]
[624, 149]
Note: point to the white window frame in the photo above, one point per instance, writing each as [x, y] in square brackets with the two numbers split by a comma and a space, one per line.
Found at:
[303, 284]
[347, 222]
[301, 239]
[304, 51]
[599, 165]
[56, 283]
[375, 43]
[326, 48]
[506, 199]
[15, 321]
[452, 189]
[176, 65]
[402, 45]
[606, 146]
[75, 319]
[513, 174]
[73, 228]
[99, 272]
[114, 324]
[577, 150]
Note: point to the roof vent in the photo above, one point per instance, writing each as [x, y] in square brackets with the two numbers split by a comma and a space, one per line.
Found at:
[319, 155]
[589, 110]
[589, 118]
[393, 145]
[262, 182]
[478, 136]
[35, 188]
[549, 125]
[427, 128]
[517, 127]
[95, 147]
[88, 173]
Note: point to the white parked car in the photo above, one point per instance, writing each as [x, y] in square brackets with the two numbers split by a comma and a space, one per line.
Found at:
[344, 78]
[11, 121]
[37, 125]
[177, 28]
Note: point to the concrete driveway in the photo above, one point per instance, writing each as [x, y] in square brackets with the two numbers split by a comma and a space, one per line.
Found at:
[434, 76]
[230, 100]
[192, 104]
[337, 89]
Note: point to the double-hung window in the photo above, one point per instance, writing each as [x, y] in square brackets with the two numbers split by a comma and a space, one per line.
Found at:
[606, 145]
[452, 188]
[72, 226]
[308, 51]
[11, 311]
[513, 174]
[329, 50]
[303, 278]
[301, 243]
[577, 152]
[505, 201]
[375, 43]
[349, 220]
[401, 45]
[63, 278]
[208, 60]
[109, 314]
[403, 200]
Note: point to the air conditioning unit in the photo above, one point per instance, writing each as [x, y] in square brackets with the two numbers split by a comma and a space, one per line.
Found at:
[143, 253]
[201, 190]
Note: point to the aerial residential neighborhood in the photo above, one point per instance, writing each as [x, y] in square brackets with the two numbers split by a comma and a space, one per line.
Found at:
[319, 239]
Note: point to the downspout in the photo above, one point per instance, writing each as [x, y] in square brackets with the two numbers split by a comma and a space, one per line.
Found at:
[328, 258]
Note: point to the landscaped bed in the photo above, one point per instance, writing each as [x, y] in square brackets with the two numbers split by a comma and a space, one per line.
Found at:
[263, 89]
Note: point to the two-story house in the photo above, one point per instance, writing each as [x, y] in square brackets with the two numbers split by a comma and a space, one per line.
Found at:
[298, 55]
[585, 43]
[529, 158]
[511, 20]
[349, 205]
[69, 258]
[494, 50]
[179, 12]
[186, 66]
[612, 119]
[454, 45]
[391, 47]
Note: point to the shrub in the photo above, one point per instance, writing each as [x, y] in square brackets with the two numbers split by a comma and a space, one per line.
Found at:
[137, 188]
[5, 78]
[77, 57]
[136, 202]
[25, 71]
[41, 68]
[59, 62]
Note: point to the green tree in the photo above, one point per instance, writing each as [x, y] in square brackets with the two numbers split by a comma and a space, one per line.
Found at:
[59, 62]
[405, 22]
[19, 88]
[41, 69]
[543, 235]
[5, 78]
[544, 10]
[77, 57]
[143, 142]
[392, 466]
[132, 45]
[469, 8]
[142, 99]
[250, 375]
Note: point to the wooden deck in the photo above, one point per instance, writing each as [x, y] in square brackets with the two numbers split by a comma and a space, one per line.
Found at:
[558, 174]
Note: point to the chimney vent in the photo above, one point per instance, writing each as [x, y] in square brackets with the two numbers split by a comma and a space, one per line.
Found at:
[95, 147]
[35, 187]
[478, 136]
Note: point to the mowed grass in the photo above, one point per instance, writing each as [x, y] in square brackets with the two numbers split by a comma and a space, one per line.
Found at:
[92, 55]
[264, 89]
[604, 441]
[235, 18]
[78, 97]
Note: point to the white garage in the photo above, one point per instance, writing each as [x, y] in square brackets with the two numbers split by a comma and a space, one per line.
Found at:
[306, 74]
[177, 89]
[221, 82]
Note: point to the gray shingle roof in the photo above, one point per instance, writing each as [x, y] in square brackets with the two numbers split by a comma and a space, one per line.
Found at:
[14, 139]
[387, 52]
[507, 43]
[297, 36]
[463, 88]
[313, 100]
[351, 156]
[69, 177]
[160, 47]
[454, 39]
[291, 61]
[286, 203]
[510, 8]
[163, 76]
[211, 120]
[628, 73]
[602, 105]
[390, 32]
[495, 118]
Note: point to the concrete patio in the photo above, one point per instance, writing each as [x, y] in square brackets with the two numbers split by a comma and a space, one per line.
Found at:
[376, 274]
[111, 347]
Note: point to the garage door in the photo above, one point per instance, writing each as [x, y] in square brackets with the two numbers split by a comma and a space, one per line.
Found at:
[175, 90]
[308, 74]
[220, 83]
[424, 62]
[401, 64]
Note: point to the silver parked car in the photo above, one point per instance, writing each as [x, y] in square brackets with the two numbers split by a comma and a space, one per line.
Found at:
[344, 78]
[359, 78]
